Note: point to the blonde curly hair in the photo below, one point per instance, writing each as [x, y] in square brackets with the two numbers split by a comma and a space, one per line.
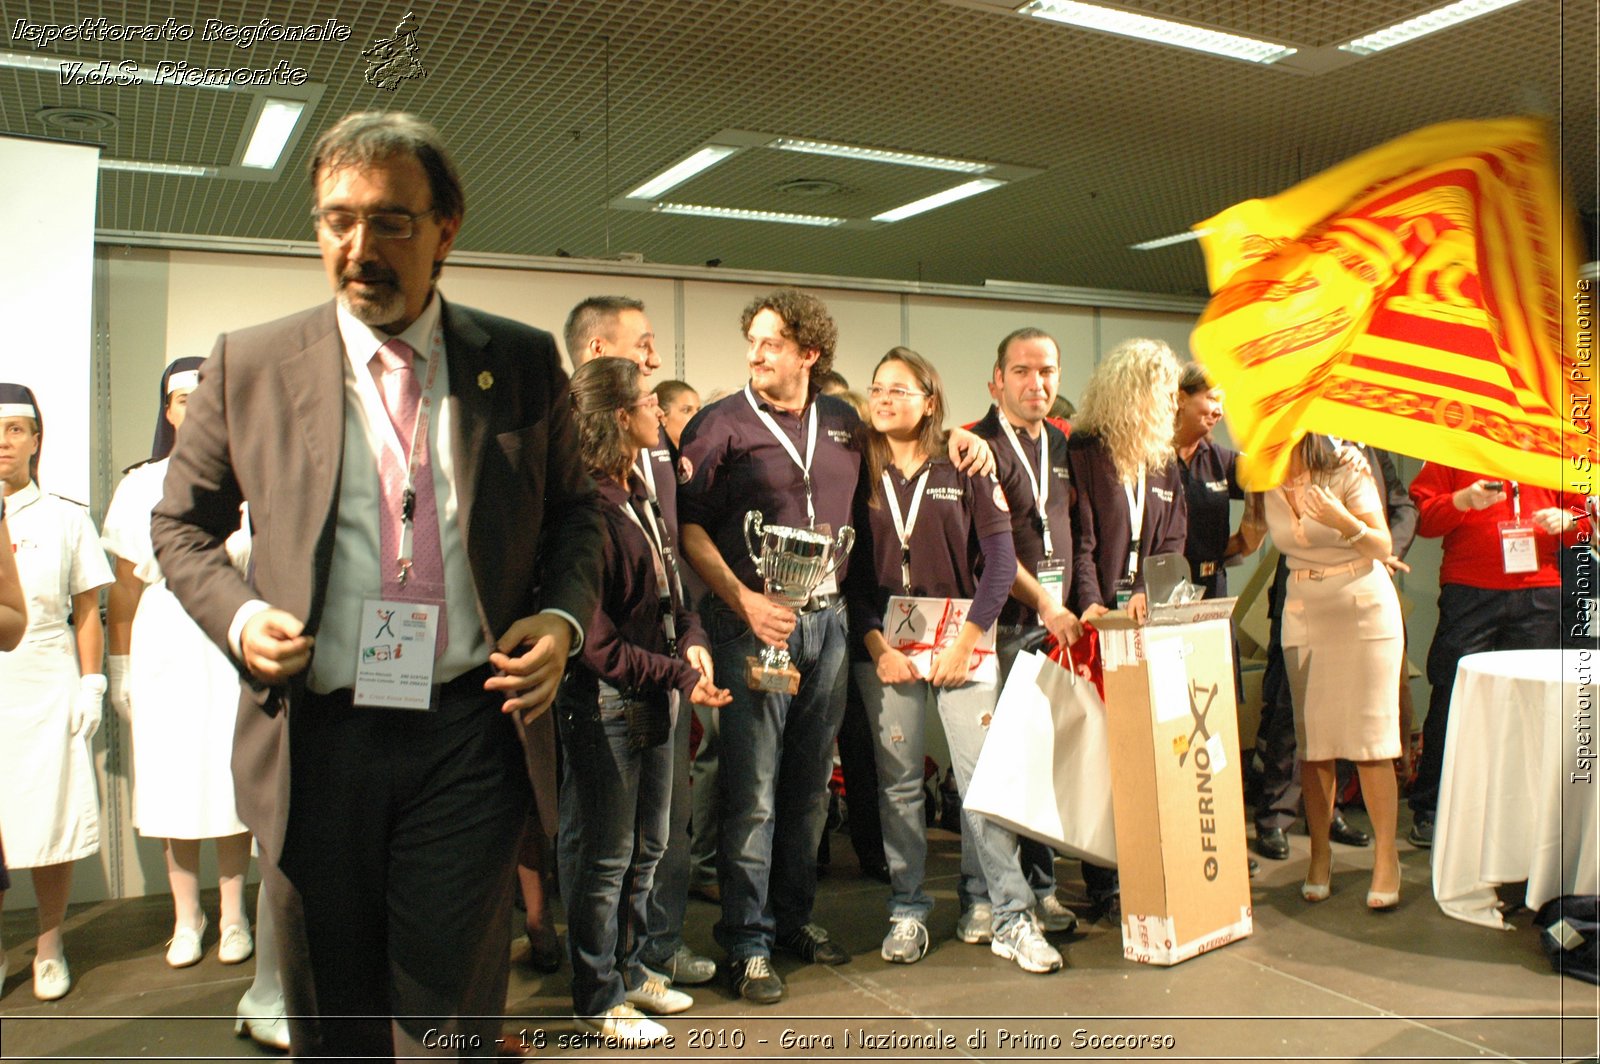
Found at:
[1130, 402]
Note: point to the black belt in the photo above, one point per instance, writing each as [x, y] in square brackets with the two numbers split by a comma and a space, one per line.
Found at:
[468, 683]
[819, 602]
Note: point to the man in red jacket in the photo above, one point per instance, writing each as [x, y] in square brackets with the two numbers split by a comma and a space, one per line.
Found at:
[1499, 589]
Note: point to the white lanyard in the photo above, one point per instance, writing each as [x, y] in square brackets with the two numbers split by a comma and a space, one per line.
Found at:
[665, 566]
[1516, 502]
[1136, 500]
[419, 431]
[1041, 483]
[647, 470]
[903, 526]
[783, 438]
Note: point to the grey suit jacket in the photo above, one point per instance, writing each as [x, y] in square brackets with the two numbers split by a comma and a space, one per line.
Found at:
[266, 425]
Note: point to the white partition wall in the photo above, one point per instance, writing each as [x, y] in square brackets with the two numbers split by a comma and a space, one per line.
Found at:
[46, 296]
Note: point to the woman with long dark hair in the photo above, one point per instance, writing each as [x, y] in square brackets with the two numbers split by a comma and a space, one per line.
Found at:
[1343, 646]
[925, 529]
[643, 653]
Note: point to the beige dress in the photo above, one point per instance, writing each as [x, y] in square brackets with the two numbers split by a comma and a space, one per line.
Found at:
[1343, 642]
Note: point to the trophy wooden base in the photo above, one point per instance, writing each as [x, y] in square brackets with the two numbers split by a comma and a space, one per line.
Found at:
[763, 677]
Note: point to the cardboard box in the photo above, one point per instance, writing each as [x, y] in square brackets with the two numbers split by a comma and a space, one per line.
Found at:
[1176, 782]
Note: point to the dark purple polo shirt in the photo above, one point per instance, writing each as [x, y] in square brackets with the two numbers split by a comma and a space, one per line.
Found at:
[1104, 525]
[1210, 480]
[1027, 527]
[735, 465]
[957, 512]
[623, 642]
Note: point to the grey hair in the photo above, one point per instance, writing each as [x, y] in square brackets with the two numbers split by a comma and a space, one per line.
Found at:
[368, 136]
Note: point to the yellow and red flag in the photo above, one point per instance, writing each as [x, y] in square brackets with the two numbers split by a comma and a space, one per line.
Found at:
[1422, 297]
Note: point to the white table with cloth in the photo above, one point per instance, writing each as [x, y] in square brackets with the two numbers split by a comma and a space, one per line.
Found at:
[1519, 798]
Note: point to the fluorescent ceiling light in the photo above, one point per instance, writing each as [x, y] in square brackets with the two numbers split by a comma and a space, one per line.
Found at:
[274, 125]
[938, 199]
[1424, 24]
[701, 211]
[1146, 28]
[136, 166]
[704, 159]
[877, 155]
[25, 61]
[1168, 241]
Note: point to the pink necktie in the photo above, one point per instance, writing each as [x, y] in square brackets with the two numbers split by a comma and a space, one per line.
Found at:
[402, 394]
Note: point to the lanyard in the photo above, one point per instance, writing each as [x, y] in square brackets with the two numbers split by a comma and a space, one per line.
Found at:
[783, 438]
[666, 566]
[903, 526]
[1136, 501]
[647, 470]
[1516, 501]
[419, 431]
[1041, 483]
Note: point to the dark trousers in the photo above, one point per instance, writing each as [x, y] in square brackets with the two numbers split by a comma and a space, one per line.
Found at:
[1473, 620]
[393, 894]
[1279, 804]
[669, 895]
[860, 767]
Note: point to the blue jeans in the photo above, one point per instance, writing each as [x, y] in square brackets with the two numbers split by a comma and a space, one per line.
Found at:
[669, 895]
[897, 714]
[614, 812]
[777, 758]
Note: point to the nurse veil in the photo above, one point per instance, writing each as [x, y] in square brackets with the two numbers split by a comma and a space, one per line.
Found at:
[49, 809]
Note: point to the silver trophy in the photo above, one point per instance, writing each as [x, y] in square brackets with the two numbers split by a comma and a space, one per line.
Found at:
[792, 563]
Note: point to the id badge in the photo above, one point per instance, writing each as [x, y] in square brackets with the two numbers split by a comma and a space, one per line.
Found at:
[1124, 592]
[829, 586]
[1518, 552]
[1052, 577]
[394, 656]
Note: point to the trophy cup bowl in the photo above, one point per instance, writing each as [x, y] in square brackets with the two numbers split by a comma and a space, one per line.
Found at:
[792, 563]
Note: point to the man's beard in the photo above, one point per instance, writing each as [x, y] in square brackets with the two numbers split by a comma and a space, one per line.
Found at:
[375, 306]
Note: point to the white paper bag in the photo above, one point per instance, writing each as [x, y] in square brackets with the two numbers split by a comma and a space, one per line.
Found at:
[1045, 770]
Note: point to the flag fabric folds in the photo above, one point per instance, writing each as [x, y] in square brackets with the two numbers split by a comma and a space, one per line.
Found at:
[1422, 297]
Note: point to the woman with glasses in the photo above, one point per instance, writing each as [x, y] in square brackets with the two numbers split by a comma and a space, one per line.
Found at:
[643, 653]
[925, 529]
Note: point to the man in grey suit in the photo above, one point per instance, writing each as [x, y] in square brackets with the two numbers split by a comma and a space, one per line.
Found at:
[387, 834]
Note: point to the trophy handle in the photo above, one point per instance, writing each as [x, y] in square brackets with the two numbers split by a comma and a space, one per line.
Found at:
[753, 517]
[841, 549]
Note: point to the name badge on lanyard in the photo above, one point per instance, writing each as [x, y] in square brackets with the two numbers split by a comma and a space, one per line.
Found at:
[903, 526]
[1052, 577]
[398, 642]
[394, 656]
[1519, 553]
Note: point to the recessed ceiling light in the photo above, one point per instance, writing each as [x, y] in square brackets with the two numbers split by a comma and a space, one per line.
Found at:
[671, 178]
[1146, 28]
[938, 199]
[1428, 22]
[879, 155]
[702, 211]
[137, 166]
[1168, 241]
[274, 125]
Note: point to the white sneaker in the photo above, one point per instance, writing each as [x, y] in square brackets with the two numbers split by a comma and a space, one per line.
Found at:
[1021, 941]
[906, 942]
[236, 945]
[1053, 916]
[655, 996]
[626, 1026]
[51, 979]
[976, 925]
[184, 949]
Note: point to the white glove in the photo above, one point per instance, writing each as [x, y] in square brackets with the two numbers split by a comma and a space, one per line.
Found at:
[87, 706]
[117, 676]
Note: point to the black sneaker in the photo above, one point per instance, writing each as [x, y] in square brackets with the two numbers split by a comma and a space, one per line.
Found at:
[755, 981]
[1421, 834]
[811, 943]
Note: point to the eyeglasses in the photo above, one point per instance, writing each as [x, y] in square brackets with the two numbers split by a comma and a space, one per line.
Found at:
[384, 225]
[898, 394]
[651, 400]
